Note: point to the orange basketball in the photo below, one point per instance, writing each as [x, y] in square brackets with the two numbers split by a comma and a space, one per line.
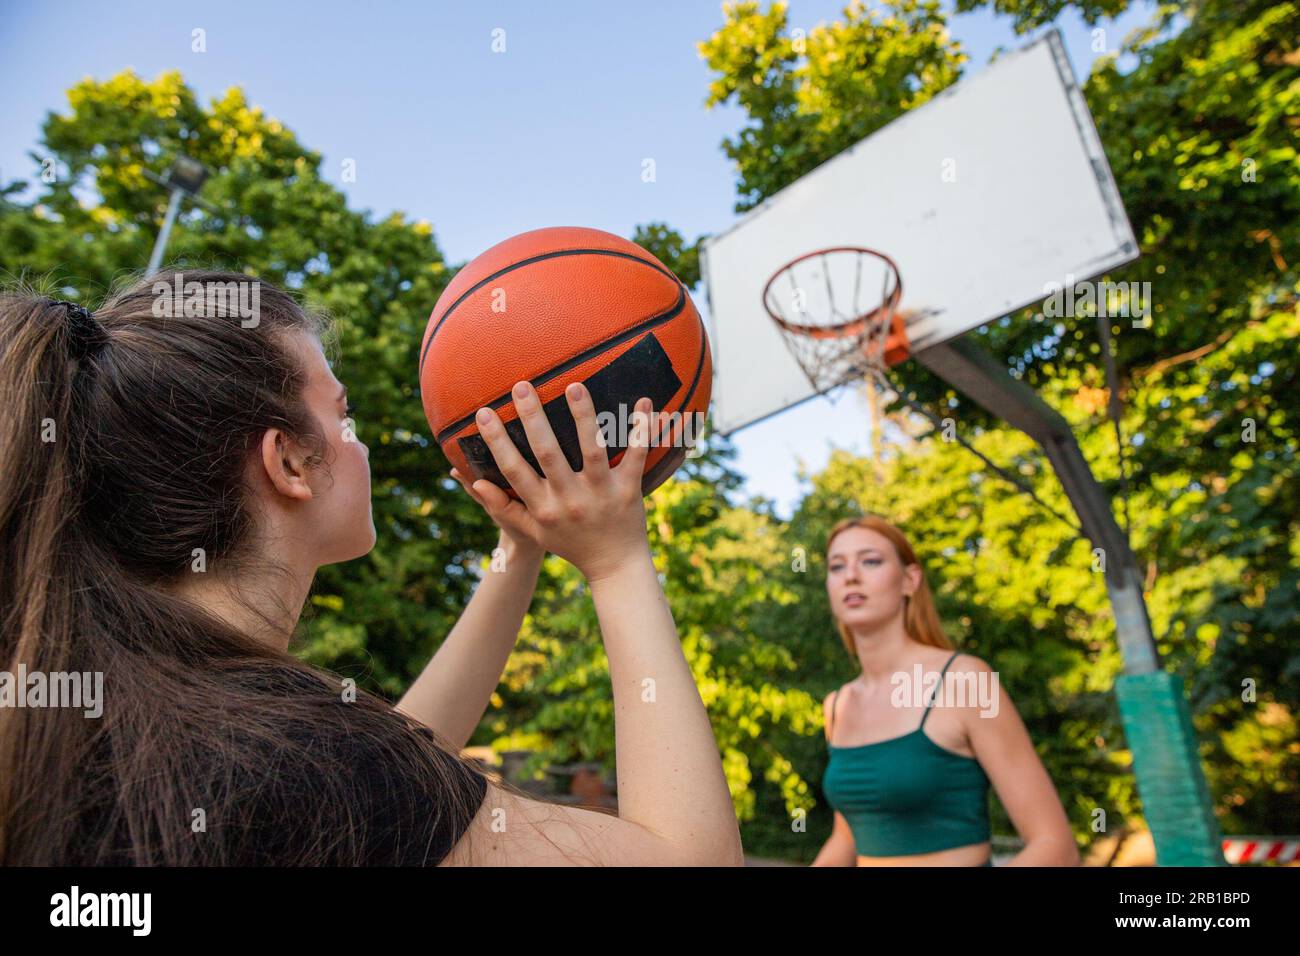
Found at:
[562, 305]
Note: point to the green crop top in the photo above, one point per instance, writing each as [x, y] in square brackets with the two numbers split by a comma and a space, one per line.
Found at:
[907, 795]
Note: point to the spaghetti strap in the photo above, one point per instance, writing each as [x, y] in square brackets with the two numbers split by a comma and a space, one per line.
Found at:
[937, 689]
[873, 787]
[835, 703]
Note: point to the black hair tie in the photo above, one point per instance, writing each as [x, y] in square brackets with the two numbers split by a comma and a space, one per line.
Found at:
[86, 333]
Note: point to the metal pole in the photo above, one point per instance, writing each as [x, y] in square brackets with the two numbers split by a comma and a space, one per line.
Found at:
[160, 244]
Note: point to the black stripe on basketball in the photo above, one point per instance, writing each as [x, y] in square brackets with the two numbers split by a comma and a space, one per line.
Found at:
[621, 382]
[673, 459]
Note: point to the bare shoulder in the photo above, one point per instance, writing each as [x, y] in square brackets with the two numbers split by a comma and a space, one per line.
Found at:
[968, 674]
[829, 700]
[978, 673]
[829, 705]
[965, 663]
[970, 694]
[513, 830]
[983, 705]
[510, 830]
[844, 690]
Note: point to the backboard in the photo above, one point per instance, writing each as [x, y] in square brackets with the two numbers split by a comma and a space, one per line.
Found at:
[983, 197]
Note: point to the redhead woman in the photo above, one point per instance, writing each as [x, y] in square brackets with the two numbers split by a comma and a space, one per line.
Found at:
[170, 487]
[911, 760]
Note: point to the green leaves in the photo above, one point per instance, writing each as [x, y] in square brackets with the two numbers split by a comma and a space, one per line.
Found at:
[1201, 137]
[377, 619]
[810, 93]
[1030, 14]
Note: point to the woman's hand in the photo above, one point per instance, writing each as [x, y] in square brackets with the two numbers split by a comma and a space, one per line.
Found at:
[593, 518]
[507, 542]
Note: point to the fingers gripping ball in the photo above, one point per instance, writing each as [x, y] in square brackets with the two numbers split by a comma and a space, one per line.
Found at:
[560, 305]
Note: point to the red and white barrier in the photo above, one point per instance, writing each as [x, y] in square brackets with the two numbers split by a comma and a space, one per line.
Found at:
[1261, 849]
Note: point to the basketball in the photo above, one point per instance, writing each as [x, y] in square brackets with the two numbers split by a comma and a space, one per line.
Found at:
[560, 305]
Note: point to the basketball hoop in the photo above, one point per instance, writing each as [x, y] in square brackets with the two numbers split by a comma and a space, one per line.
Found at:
[830, 333]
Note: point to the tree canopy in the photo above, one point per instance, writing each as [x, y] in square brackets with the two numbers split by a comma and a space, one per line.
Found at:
[1201, 134]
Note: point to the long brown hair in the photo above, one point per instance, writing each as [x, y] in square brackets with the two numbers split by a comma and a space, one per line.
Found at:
[920, 616]
[120, 464]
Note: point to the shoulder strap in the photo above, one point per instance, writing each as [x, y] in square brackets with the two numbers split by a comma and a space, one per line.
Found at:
[937, 688]
[835, 703]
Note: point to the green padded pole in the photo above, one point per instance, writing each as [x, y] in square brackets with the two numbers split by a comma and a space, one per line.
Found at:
[1175, 799]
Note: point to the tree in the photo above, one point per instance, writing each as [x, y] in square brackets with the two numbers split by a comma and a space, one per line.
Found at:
[1201, 138]
[377, 619]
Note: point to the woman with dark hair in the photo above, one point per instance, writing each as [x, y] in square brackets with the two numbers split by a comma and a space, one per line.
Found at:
[917, 736]
[172, 479]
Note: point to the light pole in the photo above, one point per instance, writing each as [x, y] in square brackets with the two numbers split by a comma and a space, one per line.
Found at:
[185, 178]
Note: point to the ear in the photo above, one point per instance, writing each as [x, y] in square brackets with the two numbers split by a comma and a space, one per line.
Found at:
[283, 459]
[913, 577]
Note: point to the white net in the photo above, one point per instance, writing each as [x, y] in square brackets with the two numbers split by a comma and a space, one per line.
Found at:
[835, 311]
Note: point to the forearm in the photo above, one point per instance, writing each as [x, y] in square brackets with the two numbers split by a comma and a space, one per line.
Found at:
[835, 852]
[455, 687]
[829, 856]
[1047, 851]
[670, 777]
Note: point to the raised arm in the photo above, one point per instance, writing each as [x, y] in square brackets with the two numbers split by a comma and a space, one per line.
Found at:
[453, 691]
[674, 805]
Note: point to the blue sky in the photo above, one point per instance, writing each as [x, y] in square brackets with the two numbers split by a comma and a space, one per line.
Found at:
[483, 145]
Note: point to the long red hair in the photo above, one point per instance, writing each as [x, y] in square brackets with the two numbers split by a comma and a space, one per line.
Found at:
[920, 617]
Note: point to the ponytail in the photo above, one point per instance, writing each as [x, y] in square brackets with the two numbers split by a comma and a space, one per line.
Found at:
[124, 438]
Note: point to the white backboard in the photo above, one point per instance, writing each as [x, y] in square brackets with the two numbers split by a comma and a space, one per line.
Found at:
[984, 197]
